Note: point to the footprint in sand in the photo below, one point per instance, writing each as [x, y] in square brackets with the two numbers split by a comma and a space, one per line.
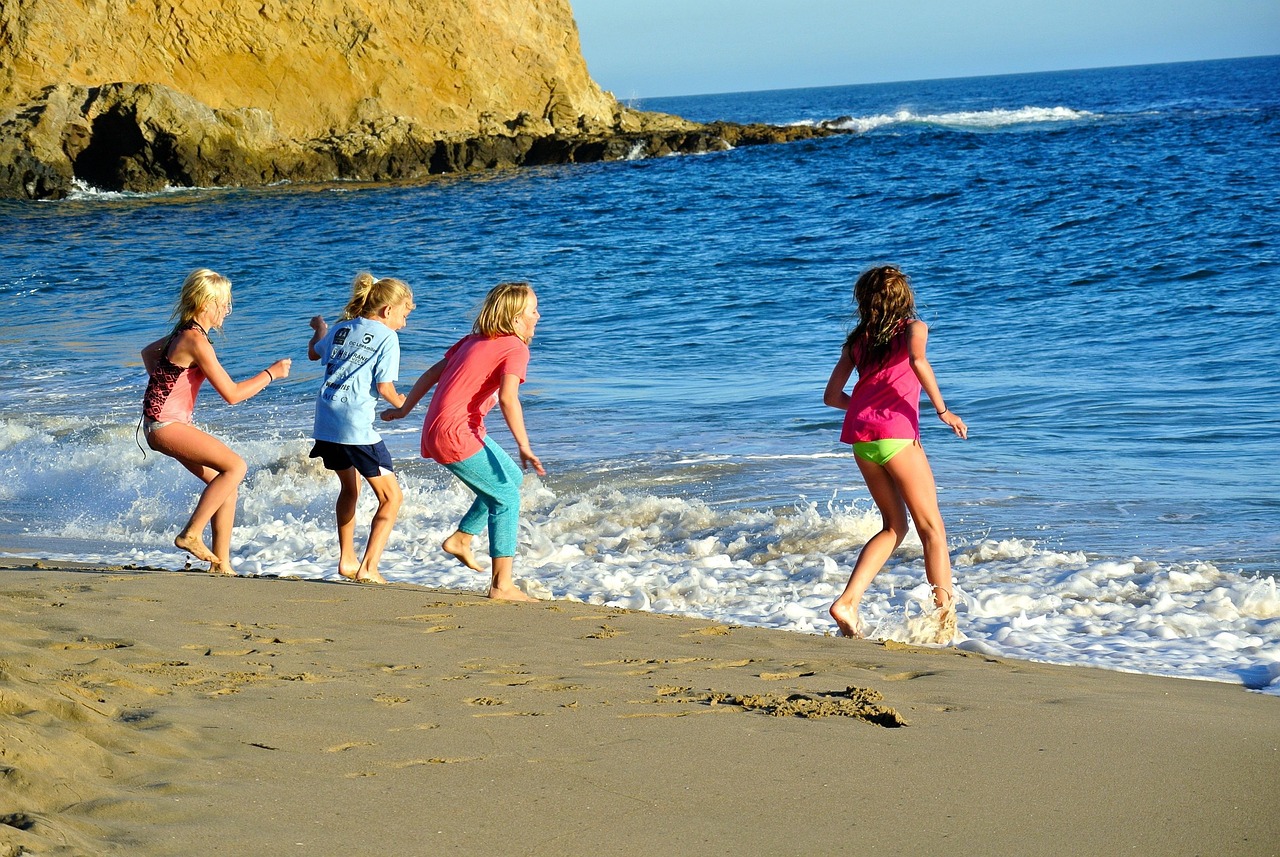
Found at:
[712, 631]
[350, 745]
[89, 644]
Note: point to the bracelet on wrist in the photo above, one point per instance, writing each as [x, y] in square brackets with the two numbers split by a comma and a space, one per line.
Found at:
[943, 411]
[270, 377]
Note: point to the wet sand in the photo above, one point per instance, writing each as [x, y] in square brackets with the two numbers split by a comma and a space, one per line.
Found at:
[148, 712]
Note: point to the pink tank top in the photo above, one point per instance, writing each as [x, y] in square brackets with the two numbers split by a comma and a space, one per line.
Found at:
[172, 390]
[885, 403]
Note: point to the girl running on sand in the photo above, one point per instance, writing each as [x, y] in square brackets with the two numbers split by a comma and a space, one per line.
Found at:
[177, 365]
[480, 370]
[882, 422]
[361, 357]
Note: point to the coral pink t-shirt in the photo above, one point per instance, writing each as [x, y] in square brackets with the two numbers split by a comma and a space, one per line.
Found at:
[467, 390]
[885, 403]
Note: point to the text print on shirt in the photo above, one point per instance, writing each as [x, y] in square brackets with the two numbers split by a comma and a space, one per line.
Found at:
[333, 385]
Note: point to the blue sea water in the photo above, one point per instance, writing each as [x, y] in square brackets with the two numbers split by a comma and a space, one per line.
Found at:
[1096, 253]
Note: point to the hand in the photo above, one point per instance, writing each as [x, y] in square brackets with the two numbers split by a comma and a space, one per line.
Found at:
[393, 414]
[527, 457]
[280, 369]
[319, 326]
[957, 424]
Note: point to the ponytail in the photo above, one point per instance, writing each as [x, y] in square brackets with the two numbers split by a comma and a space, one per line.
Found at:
[368, 295]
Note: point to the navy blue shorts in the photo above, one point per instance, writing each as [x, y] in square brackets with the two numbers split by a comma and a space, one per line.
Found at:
[371, 460]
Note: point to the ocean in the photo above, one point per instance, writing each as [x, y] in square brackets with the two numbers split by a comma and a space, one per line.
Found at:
[1097, 254]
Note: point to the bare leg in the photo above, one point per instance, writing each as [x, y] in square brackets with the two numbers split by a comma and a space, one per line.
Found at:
[223, 523]
[345, 510]
[876, 552]
[220, 469]
[458, 546]
[503, 587]
[911, 472]
[389, 495]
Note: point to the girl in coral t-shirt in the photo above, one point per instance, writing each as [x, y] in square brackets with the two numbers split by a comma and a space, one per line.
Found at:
[479, 371]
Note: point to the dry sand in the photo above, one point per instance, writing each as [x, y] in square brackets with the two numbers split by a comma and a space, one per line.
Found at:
[148, 712]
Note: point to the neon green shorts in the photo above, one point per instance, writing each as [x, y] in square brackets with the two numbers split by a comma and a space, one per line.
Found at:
[880, 451]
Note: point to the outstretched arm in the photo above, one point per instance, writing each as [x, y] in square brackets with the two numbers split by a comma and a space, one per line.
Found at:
[513, 412]
[203, 355]
[917, 339]
[387, 390]
[420, 388]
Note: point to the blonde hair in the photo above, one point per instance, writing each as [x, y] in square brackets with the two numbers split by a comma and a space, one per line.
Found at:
[501, 306]
[201, 287]
[369, 295]
[884, 299]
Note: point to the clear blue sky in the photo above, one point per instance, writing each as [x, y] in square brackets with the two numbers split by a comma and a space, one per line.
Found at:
[650, 48]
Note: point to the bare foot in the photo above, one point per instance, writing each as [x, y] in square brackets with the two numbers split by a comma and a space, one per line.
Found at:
[197, 548]
[509, 593]
[847, 619]
[223, 568]
[369, 577]
[946, 625]
[349, 571]
[458, 546]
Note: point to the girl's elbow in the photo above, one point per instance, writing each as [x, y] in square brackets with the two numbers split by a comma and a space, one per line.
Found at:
[234, 396]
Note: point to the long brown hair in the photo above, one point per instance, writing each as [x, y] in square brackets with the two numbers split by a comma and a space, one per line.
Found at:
[884, 299]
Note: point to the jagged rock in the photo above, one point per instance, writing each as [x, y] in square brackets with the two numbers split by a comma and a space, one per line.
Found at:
[370, 90]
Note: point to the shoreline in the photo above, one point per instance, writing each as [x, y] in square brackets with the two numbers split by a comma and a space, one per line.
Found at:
[158, 712]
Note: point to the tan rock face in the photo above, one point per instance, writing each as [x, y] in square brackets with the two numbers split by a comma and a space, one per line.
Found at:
[146, 94]
[458, 67]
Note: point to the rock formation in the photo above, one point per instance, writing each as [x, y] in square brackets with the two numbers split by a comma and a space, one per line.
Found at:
[139, 96]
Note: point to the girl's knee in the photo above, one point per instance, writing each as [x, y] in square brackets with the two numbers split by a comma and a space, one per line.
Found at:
[391, 498]
[236, 468]
[896, 529]
[930, 532]
[505, 503]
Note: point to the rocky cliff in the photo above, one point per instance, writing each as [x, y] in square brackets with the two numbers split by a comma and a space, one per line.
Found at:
[140, 94]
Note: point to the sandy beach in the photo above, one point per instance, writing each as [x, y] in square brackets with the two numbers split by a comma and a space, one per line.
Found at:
[150, 712]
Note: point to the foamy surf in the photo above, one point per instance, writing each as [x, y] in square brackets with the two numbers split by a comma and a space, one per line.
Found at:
[970, 120]
[777, 567]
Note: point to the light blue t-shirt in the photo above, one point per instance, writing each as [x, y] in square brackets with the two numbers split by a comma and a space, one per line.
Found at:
[357, 355]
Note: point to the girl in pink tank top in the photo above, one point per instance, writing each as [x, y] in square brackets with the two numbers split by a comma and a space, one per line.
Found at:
[882, 422]
[177, 365]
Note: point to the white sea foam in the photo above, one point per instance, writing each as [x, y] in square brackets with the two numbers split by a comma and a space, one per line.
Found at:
[70, 479]
[82, 190]
[980, 120]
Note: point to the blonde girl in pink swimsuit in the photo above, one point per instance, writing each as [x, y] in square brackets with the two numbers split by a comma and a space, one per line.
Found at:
[882, 422]
[178, 364]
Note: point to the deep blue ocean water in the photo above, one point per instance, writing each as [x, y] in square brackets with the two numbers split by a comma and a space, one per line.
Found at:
[1096, 253]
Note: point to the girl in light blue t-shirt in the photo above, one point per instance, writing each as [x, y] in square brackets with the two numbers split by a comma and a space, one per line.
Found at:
[361, 358]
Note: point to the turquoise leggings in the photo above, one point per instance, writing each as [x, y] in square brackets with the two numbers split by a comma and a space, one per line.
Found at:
[496, 480]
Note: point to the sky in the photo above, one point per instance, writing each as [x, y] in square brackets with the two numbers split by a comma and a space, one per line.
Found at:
[654, 48]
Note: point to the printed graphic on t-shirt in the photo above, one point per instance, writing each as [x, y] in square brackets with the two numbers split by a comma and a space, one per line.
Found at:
[349, 360]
